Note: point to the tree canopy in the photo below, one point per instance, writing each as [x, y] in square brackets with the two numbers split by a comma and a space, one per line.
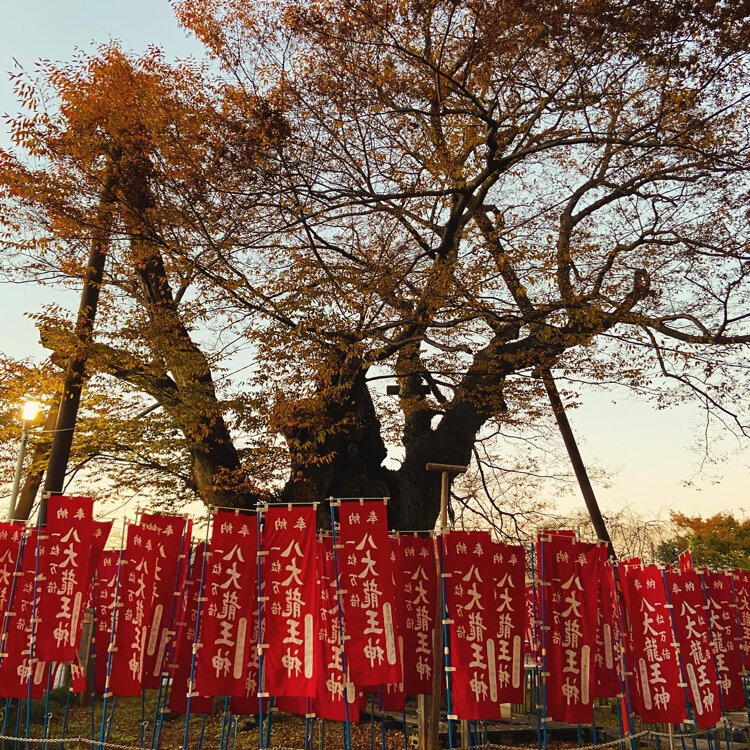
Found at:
[449, 196]
[719, 541]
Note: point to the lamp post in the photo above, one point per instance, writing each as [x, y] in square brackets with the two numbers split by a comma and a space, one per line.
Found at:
[30, 409]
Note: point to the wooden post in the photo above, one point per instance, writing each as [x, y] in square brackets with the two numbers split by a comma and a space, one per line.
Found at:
[430, 742]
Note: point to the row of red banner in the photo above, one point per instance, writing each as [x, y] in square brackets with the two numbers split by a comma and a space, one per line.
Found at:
[274, 609]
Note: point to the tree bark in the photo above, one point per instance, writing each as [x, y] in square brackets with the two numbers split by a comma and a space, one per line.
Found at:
[67, 414]
[215, 465]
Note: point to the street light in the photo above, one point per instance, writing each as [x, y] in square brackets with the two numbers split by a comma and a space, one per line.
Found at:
[30, 410]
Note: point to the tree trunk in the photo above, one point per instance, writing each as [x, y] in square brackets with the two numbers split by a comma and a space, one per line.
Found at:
[215, 465]
[67, 415]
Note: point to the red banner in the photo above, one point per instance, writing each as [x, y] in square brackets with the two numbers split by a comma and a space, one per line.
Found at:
[185, 639]
[62, 583]
[473, 624]
[419, 571]
[606, 656]
[290, 616]
[509, 570]
[173, 535]
[17, 666]
[365, 577]
[334, 700]
[692, 629]
[392, 697]
[134, 612]
[230, 607]
[10, 539]
[742, 592]
[569, 569]
[726, 639]
[657, 693]
[102, 600]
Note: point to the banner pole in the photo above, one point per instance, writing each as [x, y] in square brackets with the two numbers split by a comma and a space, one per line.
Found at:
[334, 527]
[383, 743]
[258, 649]
[446, 648]
[202, 732]
[623, 658]
[113, 626]
[196, 637]
[32, 637]
[171, 646]
[47, 714]
[535, 646]
[66, 713]
[543, 643]
[92, 656]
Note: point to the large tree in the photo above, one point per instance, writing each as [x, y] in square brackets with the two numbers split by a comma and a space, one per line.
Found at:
[451, 196]
[470, 193]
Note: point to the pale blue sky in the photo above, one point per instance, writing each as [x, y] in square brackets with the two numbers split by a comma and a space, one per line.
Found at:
[649, 448]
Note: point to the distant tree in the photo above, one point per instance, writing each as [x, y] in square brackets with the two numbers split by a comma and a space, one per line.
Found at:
[720, 541]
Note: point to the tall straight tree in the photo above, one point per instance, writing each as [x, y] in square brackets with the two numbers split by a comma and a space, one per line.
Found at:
[117, 156]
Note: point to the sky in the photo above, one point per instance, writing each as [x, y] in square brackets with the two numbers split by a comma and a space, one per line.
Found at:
[647, 451]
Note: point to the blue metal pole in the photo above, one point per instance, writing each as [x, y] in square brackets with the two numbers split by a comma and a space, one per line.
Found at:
[47, 714]
[261, 697]
[334, 528]
[202, 732]
[536, 672]
[115, 603]
[543, 644]
[169, 650]
[446, 643]
[64, 728]
[143, 717]
[372, 721]
[92, 658]
[225, 722]
[623, 661]
[383, 742]
[32, 638]
[196, 641]
[271, 709]
[110, 719]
